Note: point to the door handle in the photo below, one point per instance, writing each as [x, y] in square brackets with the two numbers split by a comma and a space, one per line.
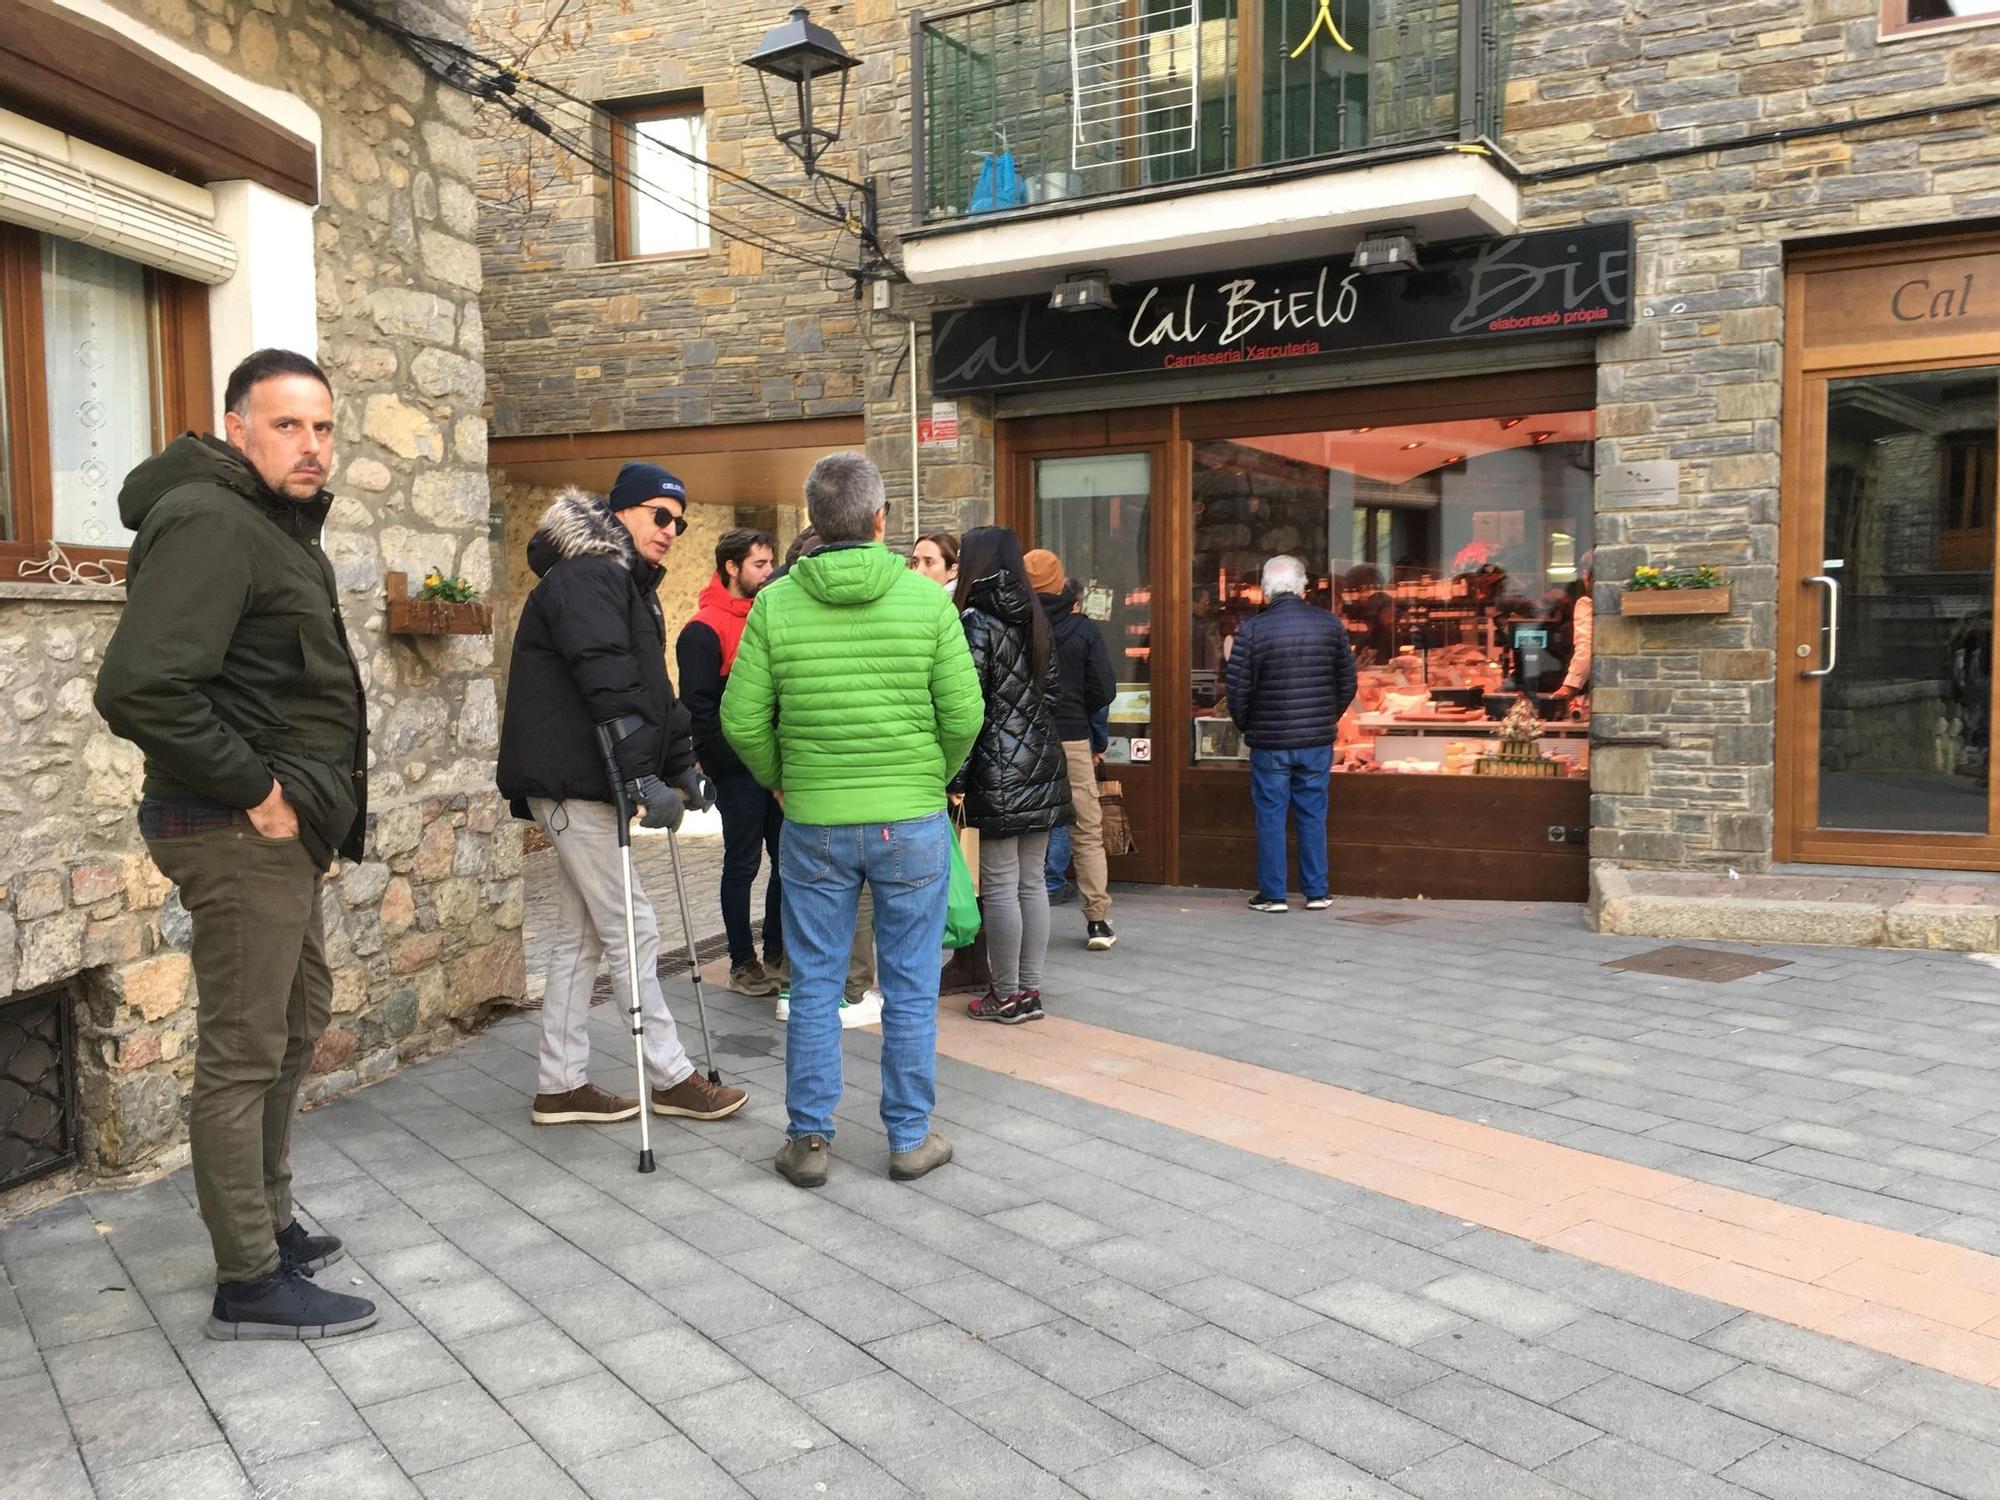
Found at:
[1831, 626]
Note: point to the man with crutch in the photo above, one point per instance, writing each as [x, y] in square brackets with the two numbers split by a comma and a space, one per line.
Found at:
[590, 651]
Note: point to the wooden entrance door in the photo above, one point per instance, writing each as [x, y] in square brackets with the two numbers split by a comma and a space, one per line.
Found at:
[1887, 593]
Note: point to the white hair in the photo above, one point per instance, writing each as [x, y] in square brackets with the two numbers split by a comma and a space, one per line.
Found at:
[1284, 574]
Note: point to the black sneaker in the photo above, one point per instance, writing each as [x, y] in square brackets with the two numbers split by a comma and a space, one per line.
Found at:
[299, 1251]
[1098, 936]
[285, 1305]
[1265, 904]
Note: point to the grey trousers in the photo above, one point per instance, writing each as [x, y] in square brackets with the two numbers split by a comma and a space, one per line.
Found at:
[1014, 903]
[590, 929]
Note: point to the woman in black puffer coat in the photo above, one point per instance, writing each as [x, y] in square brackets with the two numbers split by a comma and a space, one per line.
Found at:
[1016, 782]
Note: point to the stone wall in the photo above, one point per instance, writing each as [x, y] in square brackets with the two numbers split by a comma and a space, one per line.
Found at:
[1699, 380]
[427, 928]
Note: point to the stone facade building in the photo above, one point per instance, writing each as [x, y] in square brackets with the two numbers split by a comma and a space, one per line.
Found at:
[1775, 179]
[267, 173]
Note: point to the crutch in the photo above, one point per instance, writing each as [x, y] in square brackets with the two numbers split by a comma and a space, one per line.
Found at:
[609, 733]
[694, 961]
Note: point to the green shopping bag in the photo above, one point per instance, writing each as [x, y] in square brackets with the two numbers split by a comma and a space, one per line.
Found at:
[961, 912]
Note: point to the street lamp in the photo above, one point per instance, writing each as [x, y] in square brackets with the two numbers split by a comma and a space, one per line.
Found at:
[796, 53]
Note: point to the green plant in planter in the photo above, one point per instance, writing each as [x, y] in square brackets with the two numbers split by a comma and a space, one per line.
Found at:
[1702, 576]
[446, 590]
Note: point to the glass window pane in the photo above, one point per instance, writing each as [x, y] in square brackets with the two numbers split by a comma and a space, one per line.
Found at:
[8, 532]
[1905, 727]
[1455, 553]
[1951, 10]
[1095, 514]
[97, 341]
[669, 206]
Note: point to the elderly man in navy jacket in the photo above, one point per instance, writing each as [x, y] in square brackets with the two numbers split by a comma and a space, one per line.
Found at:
[1291, 677]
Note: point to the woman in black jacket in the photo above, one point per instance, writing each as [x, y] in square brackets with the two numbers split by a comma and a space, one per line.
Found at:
[1016, 780]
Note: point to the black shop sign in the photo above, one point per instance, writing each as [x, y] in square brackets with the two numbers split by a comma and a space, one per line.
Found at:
[1520, 286]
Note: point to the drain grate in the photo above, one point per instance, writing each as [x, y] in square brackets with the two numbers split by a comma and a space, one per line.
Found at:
[1710, 964]
[37, 1086]
[1382, 918]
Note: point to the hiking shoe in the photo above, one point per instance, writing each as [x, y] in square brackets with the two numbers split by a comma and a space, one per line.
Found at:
[990, 1007]
[1062, 895]
[908, 1166]
[285, 1305]
[1028, 1005]
[588, 1105]
[695, 1098]
[753, 979]
[1260, 903]
[802, 1160]
[1318, 903]
[865, 1012]
[782, 1011]
[1098, 936]
[300, 1251]
[779, 967]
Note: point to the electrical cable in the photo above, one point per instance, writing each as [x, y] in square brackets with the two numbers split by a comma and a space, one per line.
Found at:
[497, 84]
[1762, 138]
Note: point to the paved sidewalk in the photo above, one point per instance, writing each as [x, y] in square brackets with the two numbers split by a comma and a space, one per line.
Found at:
[1089, 1301]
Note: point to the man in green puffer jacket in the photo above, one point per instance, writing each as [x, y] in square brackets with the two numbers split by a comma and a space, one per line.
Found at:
[230, 669]
[853, 698]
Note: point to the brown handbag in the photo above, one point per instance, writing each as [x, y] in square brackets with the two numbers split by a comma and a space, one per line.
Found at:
[1117, 826]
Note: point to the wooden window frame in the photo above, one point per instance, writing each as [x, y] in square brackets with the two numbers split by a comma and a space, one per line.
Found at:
[625, 121]
[1895, 23]
[182, 393]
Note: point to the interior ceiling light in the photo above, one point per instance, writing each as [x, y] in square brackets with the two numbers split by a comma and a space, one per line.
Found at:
[1408, 446]
[1364, 429]
[1540, 437]
[1511, 423]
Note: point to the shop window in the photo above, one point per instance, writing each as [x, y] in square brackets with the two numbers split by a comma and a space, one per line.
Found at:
[101, 362]
[1965, 522]
[1456, 552]
[1094, 513]
[1914, 17]
[659, 180]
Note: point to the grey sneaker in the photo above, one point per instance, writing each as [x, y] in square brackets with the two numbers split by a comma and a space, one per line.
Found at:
[753, 979]
[908, 1166]
[802, 1160]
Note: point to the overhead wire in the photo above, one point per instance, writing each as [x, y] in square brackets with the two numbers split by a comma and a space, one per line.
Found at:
[502, 86]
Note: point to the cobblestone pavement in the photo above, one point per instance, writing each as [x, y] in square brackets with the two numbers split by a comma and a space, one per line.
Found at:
[1130, 1282]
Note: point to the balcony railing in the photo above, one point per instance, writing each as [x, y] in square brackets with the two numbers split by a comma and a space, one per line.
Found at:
[1022, 102]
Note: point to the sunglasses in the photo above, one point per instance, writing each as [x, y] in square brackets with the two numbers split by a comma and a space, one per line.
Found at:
[664, 518]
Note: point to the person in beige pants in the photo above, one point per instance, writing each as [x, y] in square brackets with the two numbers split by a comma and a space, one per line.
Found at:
[1088, 686]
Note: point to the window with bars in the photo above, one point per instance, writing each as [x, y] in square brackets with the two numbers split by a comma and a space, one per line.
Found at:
[102, 362]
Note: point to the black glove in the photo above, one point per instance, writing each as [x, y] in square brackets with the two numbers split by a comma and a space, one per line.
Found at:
[662, 808]
[696, 790]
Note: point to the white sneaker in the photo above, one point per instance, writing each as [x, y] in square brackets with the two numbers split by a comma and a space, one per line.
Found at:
[783, 1010]
[867, 1011]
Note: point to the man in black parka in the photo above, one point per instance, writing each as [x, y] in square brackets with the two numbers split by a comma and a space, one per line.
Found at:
[1290, 676]
[230, 670]
[591, 647]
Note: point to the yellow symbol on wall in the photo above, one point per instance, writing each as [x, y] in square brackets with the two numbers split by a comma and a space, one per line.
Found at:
[1324, 18]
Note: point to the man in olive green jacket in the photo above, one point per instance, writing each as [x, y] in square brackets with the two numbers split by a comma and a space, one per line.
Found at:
[853, 697]
[230, 669]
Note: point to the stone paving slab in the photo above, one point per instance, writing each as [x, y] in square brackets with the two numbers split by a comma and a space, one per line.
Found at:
[1086, 1302]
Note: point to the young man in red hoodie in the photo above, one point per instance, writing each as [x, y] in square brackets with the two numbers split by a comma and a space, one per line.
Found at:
[750, 815]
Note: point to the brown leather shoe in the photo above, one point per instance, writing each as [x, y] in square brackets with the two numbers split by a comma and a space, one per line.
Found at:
[754, 980]
[695, 1098]
[589, 1105]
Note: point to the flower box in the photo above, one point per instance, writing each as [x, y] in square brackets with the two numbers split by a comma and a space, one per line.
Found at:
[1674, 602]
[408, 616]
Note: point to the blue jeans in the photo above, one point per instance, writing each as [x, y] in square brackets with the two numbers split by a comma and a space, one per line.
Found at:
[1054, 867]
[750, 824]
[907, 867]
[1295, 780]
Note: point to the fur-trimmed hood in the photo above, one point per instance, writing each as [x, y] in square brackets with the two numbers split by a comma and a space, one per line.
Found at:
[576, 524]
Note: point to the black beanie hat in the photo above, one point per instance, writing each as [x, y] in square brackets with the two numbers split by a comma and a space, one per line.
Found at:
[638, 484]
